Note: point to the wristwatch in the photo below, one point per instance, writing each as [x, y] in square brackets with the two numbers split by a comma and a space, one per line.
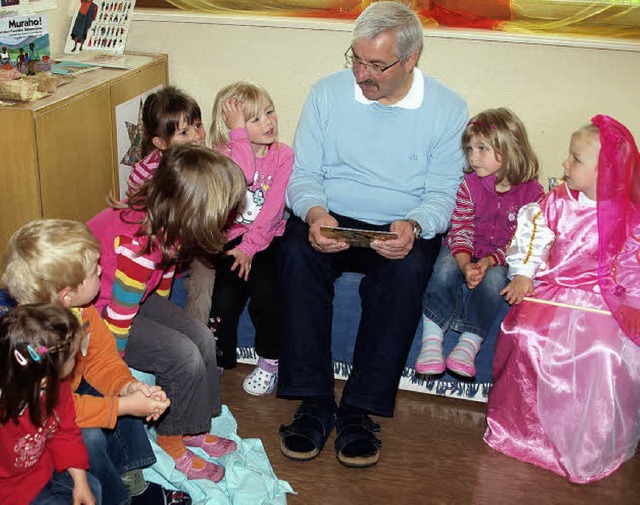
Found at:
[417, 229]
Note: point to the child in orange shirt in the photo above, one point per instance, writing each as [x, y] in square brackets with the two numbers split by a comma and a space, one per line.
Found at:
[56, 260]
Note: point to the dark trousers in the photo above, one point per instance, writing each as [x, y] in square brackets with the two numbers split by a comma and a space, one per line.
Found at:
[230, 294]
[112, 452]
[391, 298]
[181, 352]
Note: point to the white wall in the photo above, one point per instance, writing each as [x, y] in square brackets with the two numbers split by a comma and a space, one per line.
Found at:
[554, 85]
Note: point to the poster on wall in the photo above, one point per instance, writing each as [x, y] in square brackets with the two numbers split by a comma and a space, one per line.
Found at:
[22, 7]
[99, 26]
[24, 42]
[129, 136]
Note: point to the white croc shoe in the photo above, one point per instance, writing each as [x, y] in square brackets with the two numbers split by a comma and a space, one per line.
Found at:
[263, 380]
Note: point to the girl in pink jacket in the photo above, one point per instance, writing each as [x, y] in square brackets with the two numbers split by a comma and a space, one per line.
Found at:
[245, 128]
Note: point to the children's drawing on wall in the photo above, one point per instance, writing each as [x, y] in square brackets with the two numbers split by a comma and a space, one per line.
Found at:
[24, 42]
[100, 26]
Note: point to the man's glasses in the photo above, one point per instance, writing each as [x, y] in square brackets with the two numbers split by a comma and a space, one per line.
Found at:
[372, 68]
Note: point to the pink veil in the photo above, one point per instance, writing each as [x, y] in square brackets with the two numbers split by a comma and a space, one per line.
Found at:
[619, 223]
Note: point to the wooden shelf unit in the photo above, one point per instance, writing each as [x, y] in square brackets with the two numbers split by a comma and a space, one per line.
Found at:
[59, 154]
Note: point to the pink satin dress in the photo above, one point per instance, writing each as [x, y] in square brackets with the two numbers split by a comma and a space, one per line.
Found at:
[566, 393]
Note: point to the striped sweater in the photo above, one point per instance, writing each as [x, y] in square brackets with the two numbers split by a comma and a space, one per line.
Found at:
[128, 276]
[144, 169]
[484, 220]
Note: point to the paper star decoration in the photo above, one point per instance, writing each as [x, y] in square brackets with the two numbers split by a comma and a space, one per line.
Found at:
[134, 153]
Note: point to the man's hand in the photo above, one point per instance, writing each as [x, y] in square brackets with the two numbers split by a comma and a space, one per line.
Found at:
[317, 217]
[233, 114]
[398, 248]
[242, 262]
[517, 289]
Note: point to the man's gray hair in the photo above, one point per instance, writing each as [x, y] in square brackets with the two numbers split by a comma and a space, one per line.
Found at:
[386, 16]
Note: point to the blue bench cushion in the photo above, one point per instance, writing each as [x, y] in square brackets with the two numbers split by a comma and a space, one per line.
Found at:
[346, 317]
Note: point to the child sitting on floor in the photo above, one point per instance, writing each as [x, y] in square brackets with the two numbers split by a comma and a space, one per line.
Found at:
[180, 211]
[42, 457]
[55, 260]
[463, 293]
[171, 117]
[566, 392]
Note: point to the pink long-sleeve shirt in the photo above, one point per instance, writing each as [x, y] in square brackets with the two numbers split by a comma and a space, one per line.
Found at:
[262, 216]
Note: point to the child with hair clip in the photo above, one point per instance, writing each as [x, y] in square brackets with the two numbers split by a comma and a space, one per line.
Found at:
[42, 456]
[463, 293]
[180, 211]
[566, 392]
[56, 261]
[245, 128]
[169, 117]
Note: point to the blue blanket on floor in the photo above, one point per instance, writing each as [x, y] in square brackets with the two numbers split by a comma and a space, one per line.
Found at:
[249, 478]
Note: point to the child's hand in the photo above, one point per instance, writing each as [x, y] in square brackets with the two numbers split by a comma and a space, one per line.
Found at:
[517, 289]
[233, 114]
[470, 272]
[630, 319]
[155, 392]
[139, 405]
[242, 263]
[82, 494]
[482, 265]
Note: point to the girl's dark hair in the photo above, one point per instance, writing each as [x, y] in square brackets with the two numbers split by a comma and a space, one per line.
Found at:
[187, 202]
[36, 341]
[161, 115]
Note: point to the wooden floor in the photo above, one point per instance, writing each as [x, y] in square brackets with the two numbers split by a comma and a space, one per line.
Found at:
[432, 453]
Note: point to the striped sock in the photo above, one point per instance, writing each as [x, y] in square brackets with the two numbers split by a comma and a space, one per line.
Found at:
[463, 357]
[430, 360]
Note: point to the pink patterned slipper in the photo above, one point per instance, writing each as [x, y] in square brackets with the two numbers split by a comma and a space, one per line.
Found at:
[213, 445]
[210, 471]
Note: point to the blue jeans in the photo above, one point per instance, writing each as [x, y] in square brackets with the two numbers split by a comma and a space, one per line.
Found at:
[112, 452]
[449, 303]
[390, 293]
[59, 490]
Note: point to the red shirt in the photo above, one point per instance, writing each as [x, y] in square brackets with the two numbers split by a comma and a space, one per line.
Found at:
[29, 454]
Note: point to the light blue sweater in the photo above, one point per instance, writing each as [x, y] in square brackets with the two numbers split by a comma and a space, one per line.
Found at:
[378, 163]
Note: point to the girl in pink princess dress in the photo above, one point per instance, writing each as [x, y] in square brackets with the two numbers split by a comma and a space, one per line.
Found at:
[566, 393]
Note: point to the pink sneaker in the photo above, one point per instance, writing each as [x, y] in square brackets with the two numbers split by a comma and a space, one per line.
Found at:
[216, 448]
[210, 471]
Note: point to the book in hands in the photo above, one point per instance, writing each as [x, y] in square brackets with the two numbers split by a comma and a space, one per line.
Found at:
[356, 237]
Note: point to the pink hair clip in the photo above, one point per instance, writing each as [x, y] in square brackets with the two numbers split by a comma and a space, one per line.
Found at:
[22, 361]
[482, 123]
